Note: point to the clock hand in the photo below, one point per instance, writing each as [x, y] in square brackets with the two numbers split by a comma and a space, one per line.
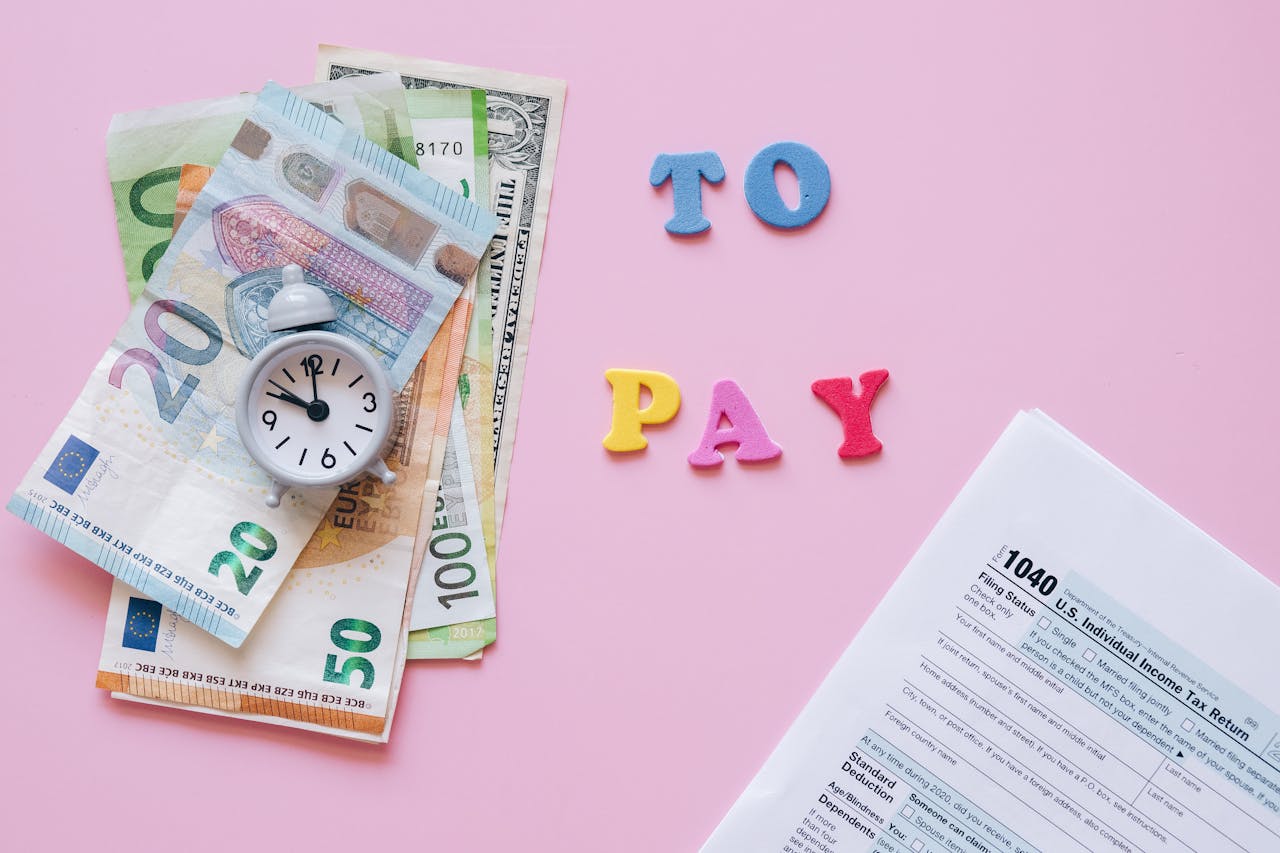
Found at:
[317, 410]
[287, 395]
[313, 370]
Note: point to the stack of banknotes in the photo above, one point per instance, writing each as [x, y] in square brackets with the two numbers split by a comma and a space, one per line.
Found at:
[305, 615]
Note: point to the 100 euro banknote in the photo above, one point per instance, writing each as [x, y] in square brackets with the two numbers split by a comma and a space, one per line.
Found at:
[146, 150]
[454, 609]
[146, 475]
[455, 586]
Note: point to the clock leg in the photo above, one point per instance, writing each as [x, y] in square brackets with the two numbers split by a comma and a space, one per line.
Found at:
[380, 470]
[275, 493]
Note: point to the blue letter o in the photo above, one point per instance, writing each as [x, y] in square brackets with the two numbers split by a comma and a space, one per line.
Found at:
[762, 191]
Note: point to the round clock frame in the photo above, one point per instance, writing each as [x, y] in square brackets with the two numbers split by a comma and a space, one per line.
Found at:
[347, 467]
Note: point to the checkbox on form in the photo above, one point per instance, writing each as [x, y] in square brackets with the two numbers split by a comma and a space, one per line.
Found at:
[1187, 725]
[1044, 623]
[1090, 654]
[917, 845]
[907, 811]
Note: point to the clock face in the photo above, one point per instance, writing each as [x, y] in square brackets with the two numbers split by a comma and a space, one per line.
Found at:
[318, 412]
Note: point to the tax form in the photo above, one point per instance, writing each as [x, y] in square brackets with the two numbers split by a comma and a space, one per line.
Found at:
[1065, 664]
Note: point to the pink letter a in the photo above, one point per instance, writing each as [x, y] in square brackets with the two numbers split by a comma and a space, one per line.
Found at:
[745, 428]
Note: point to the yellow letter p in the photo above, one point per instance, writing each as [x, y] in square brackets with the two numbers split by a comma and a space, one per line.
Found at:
[626, 433]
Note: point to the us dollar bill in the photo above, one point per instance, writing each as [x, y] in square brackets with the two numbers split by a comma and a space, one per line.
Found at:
[524, 134]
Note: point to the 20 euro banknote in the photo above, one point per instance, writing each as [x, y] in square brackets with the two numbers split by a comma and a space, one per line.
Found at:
[456, 579]
[146, 475]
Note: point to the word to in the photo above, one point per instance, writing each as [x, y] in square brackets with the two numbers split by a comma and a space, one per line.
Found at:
[687, 172]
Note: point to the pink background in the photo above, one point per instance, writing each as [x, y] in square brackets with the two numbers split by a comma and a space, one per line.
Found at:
[1070, 205]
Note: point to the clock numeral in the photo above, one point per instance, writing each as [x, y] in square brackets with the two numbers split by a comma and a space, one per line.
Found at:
[251, 540]
[339, 634]
[313, 365]
[371, 400]
[328, 460]
[271, 423]
[169, 403]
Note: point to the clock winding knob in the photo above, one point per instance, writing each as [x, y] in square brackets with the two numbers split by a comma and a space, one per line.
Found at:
[298, 303]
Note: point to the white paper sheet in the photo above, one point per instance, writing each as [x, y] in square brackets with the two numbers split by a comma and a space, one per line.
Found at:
[1066, 664]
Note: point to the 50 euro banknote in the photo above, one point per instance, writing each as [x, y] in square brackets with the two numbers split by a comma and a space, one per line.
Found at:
[146, 475]
[329, 654]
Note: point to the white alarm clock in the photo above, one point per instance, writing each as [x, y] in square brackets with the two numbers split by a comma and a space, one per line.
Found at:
[314, 408]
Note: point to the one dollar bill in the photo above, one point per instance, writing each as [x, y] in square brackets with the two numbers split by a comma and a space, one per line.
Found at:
[524, 115]
[524, 135]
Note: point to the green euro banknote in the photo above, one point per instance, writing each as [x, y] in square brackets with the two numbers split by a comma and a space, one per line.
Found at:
[453, 611]
[147, 149]
[524, 136]
[146, 476]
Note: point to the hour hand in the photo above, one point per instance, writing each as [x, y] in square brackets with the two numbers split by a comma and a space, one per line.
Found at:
[287, 395]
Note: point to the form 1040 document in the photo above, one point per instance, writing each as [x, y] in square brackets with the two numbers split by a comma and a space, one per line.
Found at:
[1065, 664]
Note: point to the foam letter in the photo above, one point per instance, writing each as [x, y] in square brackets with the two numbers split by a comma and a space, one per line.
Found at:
[854, 410]
[686, 172]
[625, 433]
[745, 429]
[762, 190]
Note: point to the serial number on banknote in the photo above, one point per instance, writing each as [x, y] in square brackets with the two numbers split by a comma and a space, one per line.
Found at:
[161, 671]
[441, 148]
